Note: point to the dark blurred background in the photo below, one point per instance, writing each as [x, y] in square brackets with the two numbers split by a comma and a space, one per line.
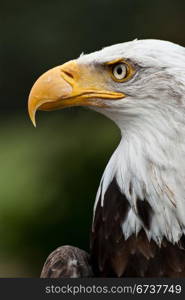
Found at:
[49, 176]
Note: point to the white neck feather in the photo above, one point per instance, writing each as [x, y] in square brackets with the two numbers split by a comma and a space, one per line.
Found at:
[151, 159]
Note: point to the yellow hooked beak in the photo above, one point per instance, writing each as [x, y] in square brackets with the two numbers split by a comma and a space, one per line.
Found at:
[67, 85]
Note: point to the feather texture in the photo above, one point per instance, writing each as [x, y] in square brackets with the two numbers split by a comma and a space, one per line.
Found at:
[67, 262]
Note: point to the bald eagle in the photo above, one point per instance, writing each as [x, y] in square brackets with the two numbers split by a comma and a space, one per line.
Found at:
[139, 213]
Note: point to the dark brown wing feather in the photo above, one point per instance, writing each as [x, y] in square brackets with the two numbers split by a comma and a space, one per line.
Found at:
[113, 256]
[67, 261]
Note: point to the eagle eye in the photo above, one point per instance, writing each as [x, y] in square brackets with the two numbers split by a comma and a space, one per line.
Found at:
[119, 71]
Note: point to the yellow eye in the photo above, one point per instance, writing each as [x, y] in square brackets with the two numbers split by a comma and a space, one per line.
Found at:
[119, 71]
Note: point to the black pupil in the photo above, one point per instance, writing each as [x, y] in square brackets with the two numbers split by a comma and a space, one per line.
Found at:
[119, 70]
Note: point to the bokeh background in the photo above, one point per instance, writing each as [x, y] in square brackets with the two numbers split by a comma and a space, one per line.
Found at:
[49, 175]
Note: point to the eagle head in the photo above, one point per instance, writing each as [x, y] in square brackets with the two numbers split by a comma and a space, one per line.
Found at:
[124, 81]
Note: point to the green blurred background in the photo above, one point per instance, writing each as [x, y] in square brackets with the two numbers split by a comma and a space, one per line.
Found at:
[49, 176]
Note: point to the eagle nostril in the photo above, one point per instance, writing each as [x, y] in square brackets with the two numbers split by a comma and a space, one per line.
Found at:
[68, 74]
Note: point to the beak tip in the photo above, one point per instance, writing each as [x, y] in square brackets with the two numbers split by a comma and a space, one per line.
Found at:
[34, 124]
[33, 121]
